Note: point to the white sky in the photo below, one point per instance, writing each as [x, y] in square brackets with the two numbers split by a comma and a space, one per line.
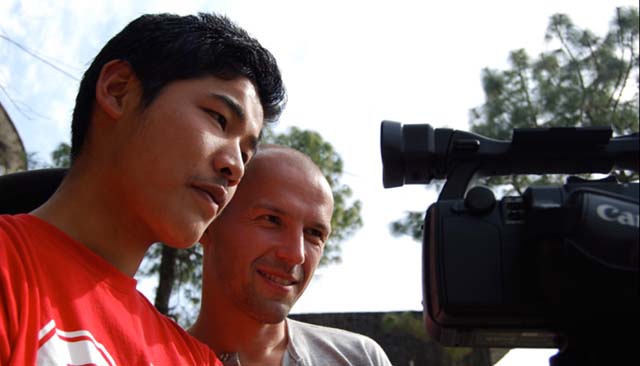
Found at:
[347, 66]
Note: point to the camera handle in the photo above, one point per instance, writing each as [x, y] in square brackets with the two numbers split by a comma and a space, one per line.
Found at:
[459, 179]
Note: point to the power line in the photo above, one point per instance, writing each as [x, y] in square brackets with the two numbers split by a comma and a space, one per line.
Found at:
[50, 64]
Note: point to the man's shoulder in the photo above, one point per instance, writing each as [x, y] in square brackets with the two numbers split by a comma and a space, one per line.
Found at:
[12, 228]
[13, 224]
[320, 331]
[7, 220]
[311, 343]
[25, 232]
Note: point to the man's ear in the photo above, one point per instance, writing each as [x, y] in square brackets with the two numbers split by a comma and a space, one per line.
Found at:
[116, 81]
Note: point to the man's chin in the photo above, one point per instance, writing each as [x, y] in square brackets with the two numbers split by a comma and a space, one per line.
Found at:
[271, 314]
[182, 239]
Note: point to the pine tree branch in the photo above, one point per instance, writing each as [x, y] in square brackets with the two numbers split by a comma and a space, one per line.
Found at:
[516, 184]
[624, 78]
[525, 90]
[565, 46]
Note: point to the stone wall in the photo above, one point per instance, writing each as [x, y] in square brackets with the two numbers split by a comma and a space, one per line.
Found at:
[12, 155]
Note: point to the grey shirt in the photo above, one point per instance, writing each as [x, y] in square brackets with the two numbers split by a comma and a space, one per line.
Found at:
[314, 345]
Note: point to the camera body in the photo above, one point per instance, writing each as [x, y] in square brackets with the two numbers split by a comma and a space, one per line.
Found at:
[518, 271]
[522, 271]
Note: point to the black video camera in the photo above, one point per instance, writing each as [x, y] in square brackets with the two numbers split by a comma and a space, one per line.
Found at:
[555, 267]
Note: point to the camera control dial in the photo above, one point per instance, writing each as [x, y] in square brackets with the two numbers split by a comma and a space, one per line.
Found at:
[479, 200]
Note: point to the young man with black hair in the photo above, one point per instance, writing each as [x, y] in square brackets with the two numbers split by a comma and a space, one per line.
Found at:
[259, 256]
[166, 117]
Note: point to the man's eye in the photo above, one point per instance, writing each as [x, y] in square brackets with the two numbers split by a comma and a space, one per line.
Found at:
[248, 154]
[316, 234]
[271, 218]
[217, 117]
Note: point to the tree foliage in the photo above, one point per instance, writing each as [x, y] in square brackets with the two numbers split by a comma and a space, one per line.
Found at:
[410, 324]
[61, 156]
[583, 81]
[405, 322]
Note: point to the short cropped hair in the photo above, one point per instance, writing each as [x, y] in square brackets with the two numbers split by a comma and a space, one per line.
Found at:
[162, 48]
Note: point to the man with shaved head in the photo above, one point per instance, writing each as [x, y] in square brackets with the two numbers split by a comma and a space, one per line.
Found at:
[259, 256]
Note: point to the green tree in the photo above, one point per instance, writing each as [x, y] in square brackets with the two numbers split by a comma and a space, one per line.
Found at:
[412, 325]
[34, 161]
[586, 81]
[175, 269]
[182, 268]
[60, 158]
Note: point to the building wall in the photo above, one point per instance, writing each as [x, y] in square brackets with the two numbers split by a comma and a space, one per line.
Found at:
[12, 154]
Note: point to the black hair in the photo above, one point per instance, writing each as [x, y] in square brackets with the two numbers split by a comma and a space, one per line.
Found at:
[162, 48]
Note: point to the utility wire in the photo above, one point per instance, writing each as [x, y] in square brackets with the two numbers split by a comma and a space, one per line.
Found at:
[25, 49]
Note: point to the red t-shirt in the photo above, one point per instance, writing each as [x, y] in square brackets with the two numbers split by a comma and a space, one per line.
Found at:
[62, 304]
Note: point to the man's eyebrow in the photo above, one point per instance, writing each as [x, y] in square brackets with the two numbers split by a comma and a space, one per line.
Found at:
[239, 112]
[269, 207]
[317, 225]
[232, 104]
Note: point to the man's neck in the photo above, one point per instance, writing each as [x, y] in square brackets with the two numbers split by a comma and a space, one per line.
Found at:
[81, 210]
[256, 343]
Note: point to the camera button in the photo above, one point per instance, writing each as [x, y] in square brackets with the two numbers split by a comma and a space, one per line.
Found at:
[479, 200]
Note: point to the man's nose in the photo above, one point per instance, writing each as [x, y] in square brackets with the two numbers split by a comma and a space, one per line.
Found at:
[228, 162]
[291, 250]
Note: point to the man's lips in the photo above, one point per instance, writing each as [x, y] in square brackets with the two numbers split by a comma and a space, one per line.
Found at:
[281, 279]
[217, 193]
